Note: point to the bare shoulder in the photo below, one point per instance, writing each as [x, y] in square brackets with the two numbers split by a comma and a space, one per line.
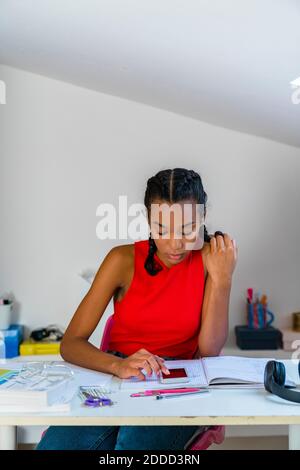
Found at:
[122, 253]
[122, 257]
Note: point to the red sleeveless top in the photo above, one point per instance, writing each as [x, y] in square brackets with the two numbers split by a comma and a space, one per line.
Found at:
[160, 313]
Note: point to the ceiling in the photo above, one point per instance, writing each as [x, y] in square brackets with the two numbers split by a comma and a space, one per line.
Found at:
[226, 62]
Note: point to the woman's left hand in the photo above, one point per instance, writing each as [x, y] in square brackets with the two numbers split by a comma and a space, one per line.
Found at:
[221, 259]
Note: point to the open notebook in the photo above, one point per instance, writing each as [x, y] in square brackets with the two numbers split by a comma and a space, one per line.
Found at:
[215, 372]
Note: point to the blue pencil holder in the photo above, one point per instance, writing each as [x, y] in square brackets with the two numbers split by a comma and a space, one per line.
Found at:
[259, 316]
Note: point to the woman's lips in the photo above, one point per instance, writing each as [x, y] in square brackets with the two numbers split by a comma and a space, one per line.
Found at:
[175, 257]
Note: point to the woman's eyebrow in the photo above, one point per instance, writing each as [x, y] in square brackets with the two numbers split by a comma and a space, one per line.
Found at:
[162, 225]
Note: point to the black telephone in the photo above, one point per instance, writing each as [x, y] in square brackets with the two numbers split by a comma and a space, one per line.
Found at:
[50, 333]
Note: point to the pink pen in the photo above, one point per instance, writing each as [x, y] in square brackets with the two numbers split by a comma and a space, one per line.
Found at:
[148, 393]
[250, 294]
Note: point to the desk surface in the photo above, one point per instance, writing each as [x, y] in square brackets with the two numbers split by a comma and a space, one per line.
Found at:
[235, 406]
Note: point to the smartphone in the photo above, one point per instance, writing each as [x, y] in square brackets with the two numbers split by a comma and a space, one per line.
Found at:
[176, 375]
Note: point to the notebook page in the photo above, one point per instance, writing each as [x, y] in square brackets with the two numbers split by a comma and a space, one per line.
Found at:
[193, 368]
[234, 369]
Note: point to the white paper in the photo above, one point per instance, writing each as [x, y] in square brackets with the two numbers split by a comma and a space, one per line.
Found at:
[239, 369]
[82, 375]
[90, 377]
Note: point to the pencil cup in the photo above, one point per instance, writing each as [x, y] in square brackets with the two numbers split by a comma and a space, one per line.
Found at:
[258, 315]
[5, 316]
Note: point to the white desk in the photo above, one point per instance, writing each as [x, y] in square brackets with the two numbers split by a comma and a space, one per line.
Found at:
[227, 407]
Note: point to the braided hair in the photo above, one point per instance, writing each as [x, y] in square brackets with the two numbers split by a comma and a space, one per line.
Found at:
[172, 186]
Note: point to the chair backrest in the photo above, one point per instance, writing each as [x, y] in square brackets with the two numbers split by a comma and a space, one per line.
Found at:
[106, 333]
[202, 441]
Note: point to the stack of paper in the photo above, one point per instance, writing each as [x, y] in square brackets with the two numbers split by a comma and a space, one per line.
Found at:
[44, 392]
[34, 390]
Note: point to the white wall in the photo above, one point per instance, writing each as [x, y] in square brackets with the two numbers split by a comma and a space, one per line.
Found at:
[66, 149]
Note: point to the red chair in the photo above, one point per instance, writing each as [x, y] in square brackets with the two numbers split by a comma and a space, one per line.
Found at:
[213, 435]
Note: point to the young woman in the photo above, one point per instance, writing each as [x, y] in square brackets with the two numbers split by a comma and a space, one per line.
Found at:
[170, 301]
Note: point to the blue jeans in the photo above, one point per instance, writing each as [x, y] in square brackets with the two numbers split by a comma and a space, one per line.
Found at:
[117, 437]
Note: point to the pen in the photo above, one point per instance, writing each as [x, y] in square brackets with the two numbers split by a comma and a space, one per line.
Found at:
[264, 304]
[255, 315]
[250, 294]
[148, 393]
[176, 395]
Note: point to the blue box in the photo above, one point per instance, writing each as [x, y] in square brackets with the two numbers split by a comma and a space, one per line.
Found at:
[13, 336]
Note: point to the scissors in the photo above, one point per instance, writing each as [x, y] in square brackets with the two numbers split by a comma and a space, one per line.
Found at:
[92, 400]
[97, 401]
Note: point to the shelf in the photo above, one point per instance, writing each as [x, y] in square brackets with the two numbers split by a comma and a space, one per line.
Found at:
[267, 353]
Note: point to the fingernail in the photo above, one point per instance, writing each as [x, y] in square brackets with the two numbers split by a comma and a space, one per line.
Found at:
[167, 371]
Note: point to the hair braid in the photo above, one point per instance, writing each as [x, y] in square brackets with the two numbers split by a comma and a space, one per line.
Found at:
[151, 266]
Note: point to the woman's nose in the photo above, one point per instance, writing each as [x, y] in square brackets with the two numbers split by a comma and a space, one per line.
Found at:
[176, 244]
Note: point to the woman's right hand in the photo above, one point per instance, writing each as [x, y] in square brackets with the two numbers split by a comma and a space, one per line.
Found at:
[131, 366]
